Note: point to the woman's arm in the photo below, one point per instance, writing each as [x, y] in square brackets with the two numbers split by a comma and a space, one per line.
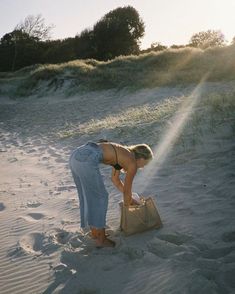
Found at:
[127, 189]
[116, 180]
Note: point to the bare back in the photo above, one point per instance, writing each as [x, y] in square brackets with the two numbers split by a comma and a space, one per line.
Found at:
[123, 155]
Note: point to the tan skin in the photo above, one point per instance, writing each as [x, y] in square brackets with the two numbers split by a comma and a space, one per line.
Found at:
[130, 165]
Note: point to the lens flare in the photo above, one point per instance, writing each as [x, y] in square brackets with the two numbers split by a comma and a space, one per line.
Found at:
[168, 139]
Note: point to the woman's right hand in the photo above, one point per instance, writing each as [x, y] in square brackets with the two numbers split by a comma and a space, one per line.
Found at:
[131, 202]
[134, 202]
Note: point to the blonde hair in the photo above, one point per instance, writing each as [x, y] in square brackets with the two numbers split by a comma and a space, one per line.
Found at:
[141, 151]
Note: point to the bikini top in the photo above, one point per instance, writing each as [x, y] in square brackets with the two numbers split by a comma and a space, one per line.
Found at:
[116, 166]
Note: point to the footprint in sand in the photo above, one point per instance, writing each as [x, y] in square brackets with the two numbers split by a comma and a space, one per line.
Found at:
[217, 252]
[36, 244]
[34, 216]
[32, 243]
[163, 248]
[33, 204]
[177, 239]
[62, 236]
[2, 206]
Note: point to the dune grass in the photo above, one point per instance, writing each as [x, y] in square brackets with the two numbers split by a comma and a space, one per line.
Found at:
[131, 118]
[168, 67]
[214, 113]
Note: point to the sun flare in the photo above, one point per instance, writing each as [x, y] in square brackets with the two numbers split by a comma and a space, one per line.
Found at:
[168, 139]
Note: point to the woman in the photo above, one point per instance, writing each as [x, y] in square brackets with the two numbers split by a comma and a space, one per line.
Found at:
[93, 197]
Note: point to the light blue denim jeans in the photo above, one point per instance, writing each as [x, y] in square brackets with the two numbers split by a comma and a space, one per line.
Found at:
[93, 196]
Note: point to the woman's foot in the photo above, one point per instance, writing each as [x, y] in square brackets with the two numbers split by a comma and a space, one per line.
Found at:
[94, 234]
[105, 243]
[101, 238]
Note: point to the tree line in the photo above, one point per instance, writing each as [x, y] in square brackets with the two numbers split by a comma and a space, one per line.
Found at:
[117, 33]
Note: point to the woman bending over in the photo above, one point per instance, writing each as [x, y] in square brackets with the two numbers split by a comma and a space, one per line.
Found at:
[93, 196]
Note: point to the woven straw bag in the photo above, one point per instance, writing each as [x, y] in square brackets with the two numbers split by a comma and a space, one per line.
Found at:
[139, 218]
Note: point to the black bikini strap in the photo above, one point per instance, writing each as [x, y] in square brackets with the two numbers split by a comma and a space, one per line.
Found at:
[115, 153]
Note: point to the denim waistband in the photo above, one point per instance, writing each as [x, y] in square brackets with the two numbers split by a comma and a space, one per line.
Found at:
[89, 152]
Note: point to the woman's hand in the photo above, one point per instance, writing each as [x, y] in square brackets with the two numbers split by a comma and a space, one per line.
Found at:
[134, 202]
[131, 202]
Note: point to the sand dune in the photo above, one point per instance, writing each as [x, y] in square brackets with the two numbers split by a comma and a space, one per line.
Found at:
[42, 247]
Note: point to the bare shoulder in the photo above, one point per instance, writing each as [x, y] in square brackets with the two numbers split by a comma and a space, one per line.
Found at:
[123, 150]
[125, 157]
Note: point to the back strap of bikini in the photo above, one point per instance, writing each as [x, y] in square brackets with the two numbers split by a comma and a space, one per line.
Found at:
[115, 153]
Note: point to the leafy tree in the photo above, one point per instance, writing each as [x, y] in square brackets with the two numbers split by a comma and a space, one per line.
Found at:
[18, 49]
[84, 44]
[23, 46]
[205, 39]
[118, 33]
[35, 27]
[15, 36]
[58, 51]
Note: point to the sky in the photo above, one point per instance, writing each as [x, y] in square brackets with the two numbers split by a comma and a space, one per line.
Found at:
[166, 21]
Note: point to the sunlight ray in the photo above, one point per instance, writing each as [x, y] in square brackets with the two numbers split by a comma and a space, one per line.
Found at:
[168, 139]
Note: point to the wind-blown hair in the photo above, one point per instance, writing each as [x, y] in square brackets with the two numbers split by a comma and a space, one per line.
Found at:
[141, 151]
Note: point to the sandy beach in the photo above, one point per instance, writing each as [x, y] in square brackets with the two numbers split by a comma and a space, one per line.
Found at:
[42, 247]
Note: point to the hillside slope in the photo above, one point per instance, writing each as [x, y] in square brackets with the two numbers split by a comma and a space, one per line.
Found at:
[165, 68]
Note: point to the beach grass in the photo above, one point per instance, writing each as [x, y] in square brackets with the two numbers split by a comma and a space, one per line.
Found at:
[212, 112]
[165, 68]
